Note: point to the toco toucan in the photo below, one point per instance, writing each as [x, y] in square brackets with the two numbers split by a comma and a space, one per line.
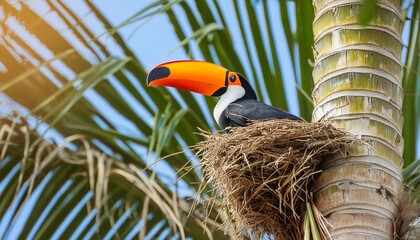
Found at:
[238, 102]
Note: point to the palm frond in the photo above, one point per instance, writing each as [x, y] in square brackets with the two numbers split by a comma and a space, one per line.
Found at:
[411, 104]
[83, 188]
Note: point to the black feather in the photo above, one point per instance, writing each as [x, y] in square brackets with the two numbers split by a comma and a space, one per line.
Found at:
[238, 113]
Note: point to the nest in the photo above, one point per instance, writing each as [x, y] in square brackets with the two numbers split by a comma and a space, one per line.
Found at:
[262, 173]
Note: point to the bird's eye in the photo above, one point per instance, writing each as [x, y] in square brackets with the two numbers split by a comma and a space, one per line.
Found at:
[232, 78]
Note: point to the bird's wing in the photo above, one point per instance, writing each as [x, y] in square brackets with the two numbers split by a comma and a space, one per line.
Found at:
[240, 112]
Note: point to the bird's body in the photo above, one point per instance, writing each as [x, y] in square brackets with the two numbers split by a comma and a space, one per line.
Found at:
[240, 112]
[238, 102]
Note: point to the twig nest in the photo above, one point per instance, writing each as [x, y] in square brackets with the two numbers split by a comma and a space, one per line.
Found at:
[262, 173]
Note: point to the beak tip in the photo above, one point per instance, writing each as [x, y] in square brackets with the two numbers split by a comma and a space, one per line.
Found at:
[157, 73]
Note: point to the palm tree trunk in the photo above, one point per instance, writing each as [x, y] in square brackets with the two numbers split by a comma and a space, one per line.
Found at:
[357, 76]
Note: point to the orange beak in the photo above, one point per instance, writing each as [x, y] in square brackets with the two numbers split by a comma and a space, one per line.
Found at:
[201, 77]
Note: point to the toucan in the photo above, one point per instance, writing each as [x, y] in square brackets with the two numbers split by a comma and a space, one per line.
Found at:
[238, 102]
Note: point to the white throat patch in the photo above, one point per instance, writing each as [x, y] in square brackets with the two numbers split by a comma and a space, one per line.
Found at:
[232, 94]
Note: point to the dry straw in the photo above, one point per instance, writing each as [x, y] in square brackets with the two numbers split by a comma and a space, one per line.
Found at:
[262, 173]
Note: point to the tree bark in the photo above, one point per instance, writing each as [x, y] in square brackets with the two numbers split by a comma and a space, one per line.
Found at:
[357, 75]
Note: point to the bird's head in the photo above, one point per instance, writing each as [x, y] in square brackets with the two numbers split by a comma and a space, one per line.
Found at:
[196, 76]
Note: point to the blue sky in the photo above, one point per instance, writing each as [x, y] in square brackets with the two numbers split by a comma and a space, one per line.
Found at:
[152, 41]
